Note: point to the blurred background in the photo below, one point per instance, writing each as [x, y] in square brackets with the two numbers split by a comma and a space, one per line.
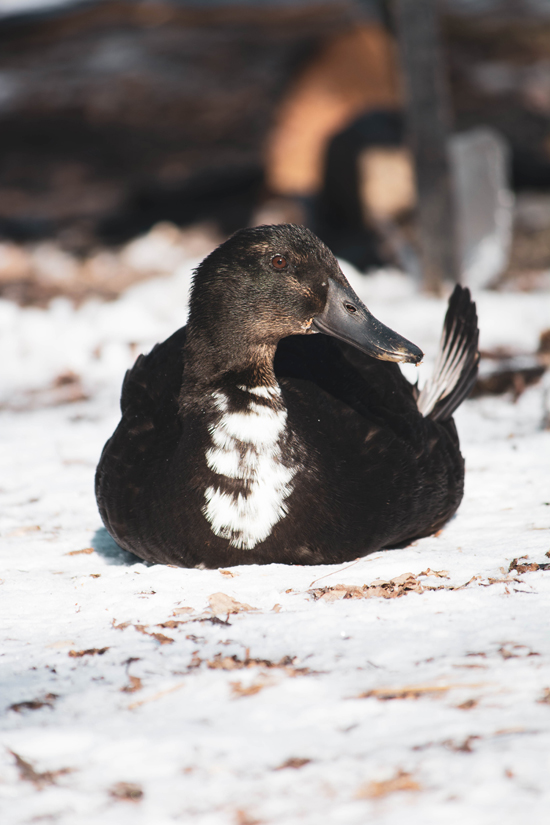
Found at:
[414, 135]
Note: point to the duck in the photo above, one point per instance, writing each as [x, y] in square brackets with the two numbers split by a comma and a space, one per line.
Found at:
[276, 426]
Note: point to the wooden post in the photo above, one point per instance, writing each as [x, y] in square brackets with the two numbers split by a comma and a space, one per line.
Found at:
[428, 121]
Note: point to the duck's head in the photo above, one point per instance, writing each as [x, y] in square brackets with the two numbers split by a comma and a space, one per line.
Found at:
[268, 282]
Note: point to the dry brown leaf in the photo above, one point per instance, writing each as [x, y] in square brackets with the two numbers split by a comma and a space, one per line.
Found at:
[221, 603]
[400, 782]
[461, 747]
[238, 689]
[403, 578]
[126, 791]
[408, 692]
[386, 589]
[379, 588]
[527, 567]
[120, 626]
[142, 628]
[86, 551]
[160, 637]
[133, 685]
[179, 611]
[295, 762]
[244, 818]
[286, 664]
[227, 573]
[440, 574]
[92, 651]
[466, 584]
[35, 704]
[220, 662]
[468, 704]
[276, 608]
[39, 780]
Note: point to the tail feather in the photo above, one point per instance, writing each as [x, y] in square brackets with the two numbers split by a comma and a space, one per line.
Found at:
[456, 367]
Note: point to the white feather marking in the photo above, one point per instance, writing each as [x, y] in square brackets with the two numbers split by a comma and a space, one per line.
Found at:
[450, 362]
[246, 447]
[263, 392]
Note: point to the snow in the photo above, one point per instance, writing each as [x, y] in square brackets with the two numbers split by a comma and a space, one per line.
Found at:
[206, 738]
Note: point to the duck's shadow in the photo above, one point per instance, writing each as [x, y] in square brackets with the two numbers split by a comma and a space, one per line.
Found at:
[106, 546]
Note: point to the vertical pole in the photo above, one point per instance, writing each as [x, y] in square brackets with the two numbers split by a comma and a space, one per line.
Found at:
[428, 121]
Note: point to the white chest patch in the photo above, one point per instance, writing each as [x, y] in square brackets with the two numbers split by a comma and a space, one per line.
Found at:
[245, 446]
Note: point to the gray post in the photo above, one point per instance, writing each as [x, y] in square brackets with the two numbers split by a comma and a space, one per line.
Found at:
[428, 121]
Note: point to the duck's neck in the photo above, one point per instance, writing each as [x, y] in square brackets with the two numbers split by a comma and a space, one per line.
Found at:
[213, 359]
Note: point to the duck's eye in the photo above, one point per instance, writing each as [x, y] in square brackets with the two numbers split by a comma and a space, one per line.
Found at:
[351, 308]
[279, 262]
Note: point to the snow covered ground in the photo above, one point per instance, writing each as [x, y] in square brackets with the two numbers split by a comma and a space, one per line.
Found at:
[150, 694]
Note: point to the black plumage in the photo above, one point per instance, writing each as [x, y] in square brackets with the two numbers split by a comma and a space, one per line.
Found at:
[244, 438]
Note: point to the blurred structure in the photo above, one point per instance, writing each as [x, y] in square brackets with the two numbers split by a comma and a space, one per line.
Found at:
[118, 115]
[484, 204]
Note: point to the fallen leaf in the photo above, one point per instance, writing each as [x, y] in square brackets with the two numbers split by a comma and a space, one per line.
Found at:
[468, 704]
[440, 574]
[295, 762]
[392, 589]
[462, 747]
[528, 567]
[286, 664]
[39, 780]
[86, 551]
[545, 698]
[400, 782]
[386, 589]
[238, 689]
[126, 791]
[222, 603]
[227, 573]
[133, 685]
[244, 818]
[178, 611]
[409, 692]
[95, 575]
[515, 651]
[34, 704]
[160, 637]
[276, 608]
[120, 626]
[214, 620]
[142, 628]
[466, 584]
[225, 663]
[92, 651]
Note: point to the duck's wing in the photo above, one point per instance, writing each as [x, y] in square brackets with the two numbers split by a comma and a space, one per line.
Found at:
[151, 387]
[457, 361]
[371, 387]
[148, 427]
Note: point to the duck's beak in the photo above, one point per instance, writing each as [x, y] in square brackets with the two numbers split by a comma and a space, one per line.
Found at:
[347, 318]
